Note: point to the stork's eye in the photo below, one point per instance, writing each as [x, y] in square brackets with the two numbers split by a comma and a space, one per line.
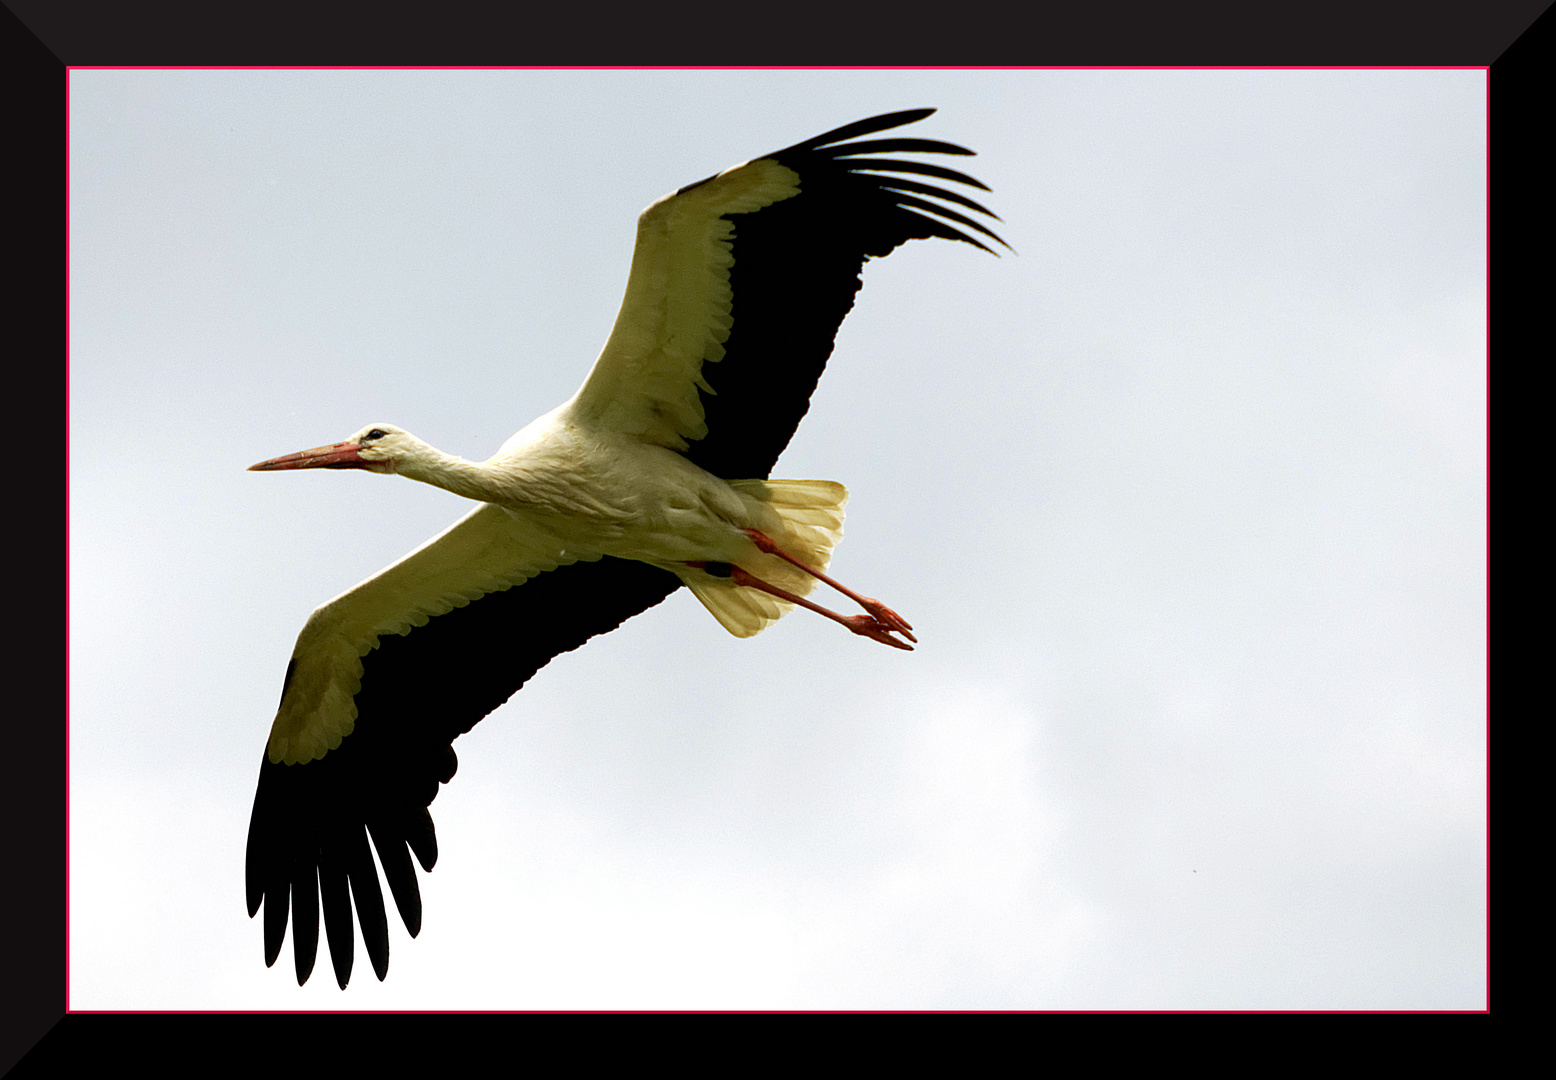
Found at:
[376, 433]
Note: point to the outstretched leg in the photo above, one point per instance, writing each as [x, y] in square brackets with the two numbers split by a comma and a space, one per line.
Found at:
[882, 614]
[867, 625]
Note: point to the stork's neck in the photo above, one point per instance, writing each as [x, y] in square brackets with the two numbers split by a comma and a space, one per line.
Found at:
[470, 479]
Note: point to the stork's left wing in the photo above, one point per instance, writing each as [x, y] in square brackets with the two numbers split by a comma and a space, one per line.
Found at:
[739, 283]
[382, 681]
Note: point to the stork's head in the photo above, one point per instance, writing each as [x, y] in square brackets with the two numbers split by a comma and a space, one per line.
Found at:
[376, 448]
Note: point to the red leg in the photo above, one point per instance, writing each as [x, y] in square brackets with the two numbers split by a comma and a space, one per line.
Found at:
[866, 625]
[882, 614]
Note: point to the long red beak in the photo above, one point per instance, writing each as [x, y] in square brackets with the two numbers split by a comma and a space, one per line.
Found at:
[344, 455]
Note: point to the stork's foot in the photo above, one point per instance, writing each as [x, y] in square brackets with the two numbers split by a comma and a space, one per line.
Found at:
[887, 617]
[870, 627]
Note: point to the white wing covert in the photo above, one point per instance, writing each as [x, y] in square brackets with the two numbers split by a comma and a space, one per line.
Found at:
[486, 551]
[676, 314]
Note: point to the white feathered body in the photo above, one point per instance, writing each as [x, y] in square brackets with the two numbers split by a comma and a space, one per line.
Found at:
[597, 491]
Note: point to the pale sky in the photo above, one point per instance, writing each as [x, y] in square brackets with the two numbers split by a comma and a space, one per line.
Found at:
[1186, 502]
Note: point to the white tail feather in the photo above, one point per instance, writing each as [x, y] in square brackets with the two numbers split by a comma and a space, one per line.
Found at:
[806, 520]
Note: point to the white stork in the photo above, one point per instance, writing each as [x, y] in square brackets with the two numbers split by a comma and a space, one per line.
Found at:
[653, 476]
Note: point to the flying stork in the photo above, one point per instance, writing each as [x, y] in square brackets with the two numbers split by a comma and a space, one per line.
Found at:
[652, 476]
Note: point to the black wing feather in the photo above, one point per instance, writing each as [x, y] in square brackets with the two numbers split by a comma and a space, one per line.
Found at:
[796, 271]
[899, 183]
[902, 146]
[867, 126]
[947, 212]
[308, 835]
[923, 168]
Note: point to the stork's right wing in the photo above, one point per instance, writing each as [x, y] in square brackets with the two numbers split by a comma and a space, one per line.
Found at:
[381, 682]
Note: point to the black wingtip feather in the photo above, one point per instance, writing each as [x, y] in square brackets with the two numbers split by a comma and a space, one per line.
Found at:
[395, 859]
[921, 167]
[369, 898]
[305, 921]
[867, 126]
[961, 219]
[902, 183]
[900, 146]
[335, 896]
[275, 924]
[422, 836]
